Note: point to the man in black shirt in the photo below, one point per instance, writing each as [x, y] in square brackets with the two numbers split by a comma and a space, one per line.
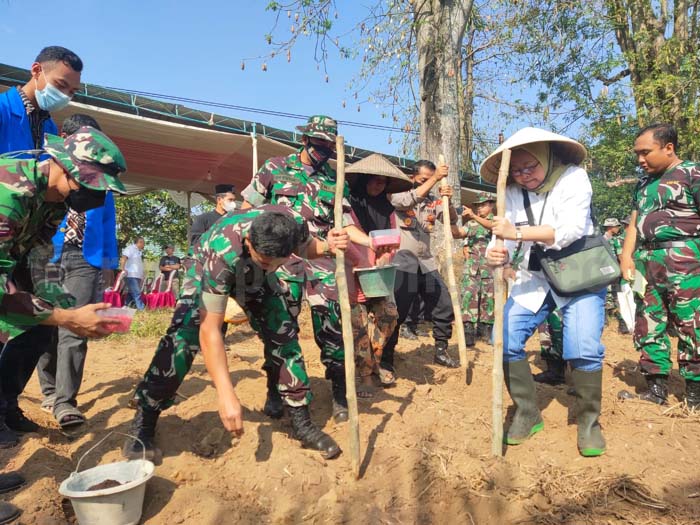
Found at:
[225, 202]
[169, 263]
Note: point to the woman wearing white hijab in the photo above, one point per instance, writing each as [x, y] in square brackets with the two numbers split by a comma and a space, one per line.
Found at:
[544, 167]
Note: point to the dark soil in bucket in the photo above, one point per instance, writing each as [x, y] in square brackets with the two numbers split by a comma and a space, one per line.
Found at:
[106, 484]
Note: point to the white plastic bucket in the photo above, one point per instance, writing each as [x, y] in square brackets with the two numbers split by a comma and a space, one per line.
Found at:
[121, 505]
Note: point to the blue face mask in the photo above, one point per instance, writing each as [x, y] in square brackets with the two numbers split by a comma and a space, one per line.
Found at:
[51, 98]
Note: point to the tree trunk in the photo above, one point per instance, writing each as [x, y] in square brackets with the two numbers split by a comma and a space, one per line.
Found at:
[440, 27]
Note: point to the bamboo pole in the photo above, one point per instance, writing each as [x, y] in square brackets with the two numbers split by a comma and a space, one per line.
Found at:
[345, 315]
[499, 285]
[451, 281]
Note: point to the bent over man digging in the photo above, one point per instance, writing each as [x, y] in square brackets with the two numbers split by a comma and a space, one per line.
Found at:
[236, 258]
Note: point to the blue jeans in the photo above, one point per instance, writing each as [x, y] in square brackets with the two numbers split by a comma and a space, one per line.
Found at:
[133, 285]
[583, 318]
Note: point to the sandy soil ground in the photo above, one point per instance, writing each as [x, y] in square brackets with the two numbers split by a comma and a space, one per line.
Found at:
[426, 449]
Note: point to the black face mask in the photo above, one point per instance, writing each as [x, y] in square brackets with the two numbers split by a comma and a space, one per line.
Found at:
[318, 154]
[84, 199]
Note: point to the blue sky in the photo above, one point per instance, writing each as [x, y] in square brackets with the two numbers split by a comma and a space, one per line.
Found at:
[194, 50]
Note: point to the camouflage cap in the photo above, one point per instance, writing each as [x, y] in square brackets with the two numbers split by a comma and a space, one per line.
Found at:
[484, 196]
[320, 127]
[90, 157]
[626, 220]
[611, 223]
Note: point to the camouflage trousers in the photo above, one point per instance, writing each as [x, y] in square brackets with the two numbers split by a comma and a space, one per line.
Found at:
[320, 291]
[270, 315]
[477, 298]
[551, 336]
[670, 306]
[612, 306]
[373, 323]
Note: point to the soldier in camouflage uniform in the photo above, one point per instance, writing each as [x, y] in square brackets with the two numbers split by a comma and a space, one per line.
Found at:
[477, 279]
[224, 263]
[305, 182]
[77, 171]
[666, 222]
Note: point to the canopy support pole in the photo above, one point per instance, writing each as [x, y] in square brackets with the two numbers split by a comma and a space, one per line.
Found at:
[254, 138]
[189, 219]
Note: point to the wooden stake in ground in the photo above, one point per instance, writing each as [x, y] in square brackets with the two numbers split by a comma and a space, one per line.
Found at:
[451, 281]
[345, 316]
[499, 285]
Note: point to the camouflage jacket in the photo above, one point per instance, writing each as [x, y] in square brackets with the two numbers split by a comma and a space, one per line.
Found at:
[616, 242]
[225, 266]
[285, 181]
[476, 242]
[667, 205]
[27, 224]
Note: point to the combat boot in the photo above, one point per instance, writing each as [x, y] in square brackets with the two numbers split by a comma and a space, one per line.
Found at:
[143, 427]
[658, 389]
[692, 394]
[588, 387]
[310, 435]
[442, 358]
[521, 387]
[554, 375]
[273, 403]
[469, 335]
[336, 373]
[484, 331]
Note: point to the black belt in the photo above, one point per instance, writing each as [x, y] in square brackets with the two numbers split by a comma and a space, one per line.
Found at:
[665, 245]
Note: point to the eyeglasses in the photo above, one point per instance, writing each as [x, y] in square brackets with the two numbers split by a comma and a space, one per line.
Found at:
[525, 170]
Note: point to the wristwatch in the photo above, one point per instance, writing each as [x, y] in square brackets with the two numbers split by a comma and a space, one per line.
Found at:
[518, 234]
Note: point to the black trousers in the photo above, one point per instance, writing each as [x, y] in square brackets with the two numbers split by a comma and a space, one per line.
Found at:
[436, 297]
[18, 360]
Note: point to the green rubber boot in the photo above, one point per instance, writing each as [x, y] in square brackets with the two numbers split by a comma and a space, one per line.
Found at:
[588, 387]
[521, 387]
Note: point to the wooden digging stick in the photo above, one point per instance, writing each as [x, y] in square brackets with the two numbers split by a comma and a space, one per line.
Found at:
[345, 316]
[451, 281]
[499, 286]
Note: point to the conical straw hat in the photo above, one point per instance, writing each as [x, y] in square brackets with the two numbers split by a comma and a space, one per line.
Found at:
[567, 150]
[375, 164]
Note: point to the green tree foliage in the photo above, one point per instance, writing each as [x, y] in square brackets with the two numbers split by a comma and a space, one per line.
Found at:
[611, 200]
[154, 216]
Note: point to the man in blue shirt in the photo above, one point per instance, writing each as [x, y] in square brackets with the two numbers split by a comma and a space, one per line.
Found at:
[24, 119]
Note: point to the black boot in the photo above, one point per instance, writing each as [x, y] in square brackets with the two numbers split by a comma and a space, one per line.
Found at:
[554, 375]
[273, 404]
[658, 390]
[484, 331]
[469, 335]
[336, 373]
[8, 513]
[17, 421]
[442, 358]
[406, 332]
[10, 481]
[143, 427]
[8, 437]
[692, 394]
[310, 435]
[521, 387]
[622, 327]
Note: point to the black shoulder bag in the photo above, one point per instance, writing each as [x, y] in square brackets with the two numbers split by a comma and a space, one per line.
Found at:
[585, 266]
